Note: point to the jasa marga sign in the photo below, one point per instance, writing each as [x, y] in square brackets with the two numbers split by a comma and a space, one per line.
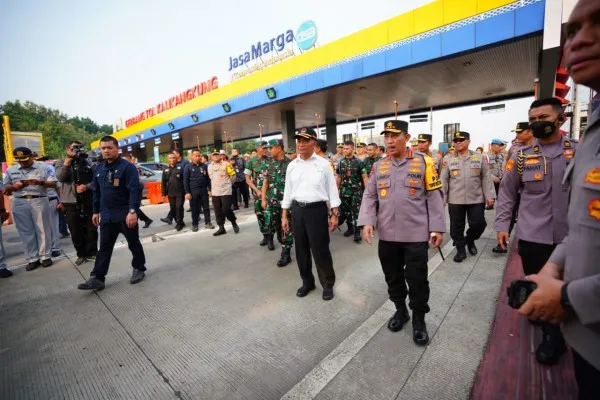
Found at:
[306, 37]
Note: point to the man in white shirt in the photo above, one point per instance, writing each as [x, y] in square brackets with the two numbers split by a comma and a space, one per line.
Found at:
[309, 185]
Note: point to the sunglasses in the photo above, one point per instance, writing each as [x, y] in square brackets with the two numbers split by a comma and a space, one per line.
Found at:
[458, 140]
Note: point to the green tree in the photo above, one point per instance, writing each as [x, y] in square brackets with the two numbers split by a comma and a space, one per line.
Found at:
[57, 127]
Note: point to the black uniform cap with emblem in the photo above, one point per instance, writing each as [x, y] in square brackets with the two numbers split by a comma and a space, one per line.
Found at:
[22, 153]
[462, 135]
[306, 133]
[521, 126]
[395, 126]
[423, 137]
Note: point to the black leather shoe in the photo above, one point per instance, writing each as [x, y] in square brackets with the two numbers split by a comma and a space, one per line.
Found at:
[264, 241]
[498, 250]
[420, 335]
[80, 260]
[137, 276]
[285, 258]
[461, 254]
[398, 320]
[179, 227]
[47, 263]
[270, 244]
[33, 265]
[56, 253]
[327, 293]
[221, 231]
[304, 290]
[472, 248]
[167, 221]
[91, 284]
[550, 350]
[349, 232]
[5, 273]
[194, 228]
[236, 228]
[357, 235]
[147, 223]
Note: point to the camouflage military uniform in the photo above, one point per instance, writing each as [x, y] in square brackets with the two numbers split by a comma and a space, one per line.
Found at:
[255, 168]
[275, 175]
[368, 164]
[350, 172]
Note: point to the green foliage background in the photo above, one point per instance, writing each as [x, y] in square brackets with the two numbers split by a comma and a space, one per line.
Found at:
[57, 127]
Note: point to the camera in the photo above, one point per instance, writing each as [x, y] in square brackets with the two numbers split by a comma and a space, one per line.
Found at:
[79, 152]
[518, 292]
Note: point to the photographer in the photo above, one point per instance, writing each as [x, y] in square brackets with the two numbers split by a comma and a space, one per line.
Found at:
[76, 174]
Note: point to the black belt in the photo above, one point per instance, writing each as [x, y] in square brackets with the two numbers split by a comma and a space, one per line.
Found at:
[29, 197]
[304, 204]
[52, 198]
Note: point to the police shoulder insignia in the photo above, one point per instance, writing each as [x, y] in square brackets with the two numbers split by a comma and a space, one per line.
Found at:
[510, 164]
[593, 176]
[594, 209]
[567, 143]
[536, 148]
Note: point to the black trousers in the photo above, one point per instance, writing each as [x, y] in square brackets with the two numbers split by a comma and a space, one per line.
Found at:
[199, 203]
[515, 214]
[311, 235]
[404, 263]
[475, 214]
[176, 208]
[84, 234]
[142, 215]
[222, 206]
[533, 257]
[588, 378]
[109, 232]
[240, 187]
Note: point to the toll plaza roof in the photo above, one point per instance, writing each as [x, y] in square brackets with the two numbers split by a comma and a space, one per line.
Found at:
[447, 52]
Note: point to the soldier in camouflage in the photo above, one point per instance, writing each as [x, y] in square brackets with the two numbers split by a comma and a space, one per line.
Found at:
[349, 171]
[272, 195]
[254, 179]
[372, 157]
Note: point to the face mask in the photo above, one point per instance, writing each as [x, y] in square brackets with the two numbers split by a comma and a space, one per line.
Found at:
[542, 129]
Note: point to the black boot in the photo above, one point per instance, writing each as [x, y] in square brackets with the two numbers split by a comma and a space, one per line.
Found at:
[270, 244]
[235, 226]
[472, 248]
[147, 223]
[399, 318]
[350, 230]
[552, 346]
[357, 235]
[461, 254]
[264, 241]
[420, 335]
[285, 258]
[221, 231]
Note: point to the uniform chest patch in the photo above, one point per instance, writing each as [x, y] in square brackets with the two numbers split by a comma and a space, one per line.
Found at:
[537, 177]
[412, 191]
[593, 176]
[455, 173]
[510, 165]
[594, 209]
[383, 193]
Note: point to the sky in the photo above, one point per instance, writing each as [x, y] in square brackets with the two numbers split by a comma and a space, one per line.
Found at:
[113, 59]
[110, 59]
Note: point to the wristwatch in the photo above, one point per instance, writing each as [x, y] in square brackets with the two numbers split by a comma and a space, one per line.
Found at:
[336, 213]
[131, 211]
[564, 299]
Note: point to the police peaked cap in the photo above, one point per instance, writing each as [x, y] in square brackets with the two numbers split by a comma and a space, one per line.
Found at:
[423, 137]
[306, 133]
[395, 126]
[22, 153]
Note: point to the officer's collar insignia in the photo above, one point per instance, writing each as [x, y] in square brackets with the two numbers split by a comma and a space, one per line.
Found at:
[409, 153]
[536, 148]
[567, 143]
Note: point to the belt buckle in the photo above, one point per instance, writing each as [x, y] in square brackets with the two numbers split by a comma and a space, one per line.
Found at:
[28, 197]
[302, 204]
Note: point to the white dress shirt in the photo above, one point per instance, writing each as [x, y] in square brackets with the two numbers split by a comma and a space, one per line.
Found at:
[310, 181]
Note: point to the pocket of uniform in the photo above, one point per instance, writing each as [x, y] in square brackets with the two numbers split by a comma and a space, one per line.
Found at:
[534, 186]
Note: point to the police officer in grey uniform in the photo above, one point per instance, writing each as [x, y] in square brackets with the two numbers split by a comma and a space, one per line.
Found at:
[28, 182]
[424, 143]
[496, 162]
[54, 201]
[568, 286]
[467, 188]
[411, 214]
[538, 171]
